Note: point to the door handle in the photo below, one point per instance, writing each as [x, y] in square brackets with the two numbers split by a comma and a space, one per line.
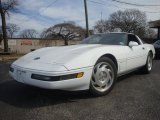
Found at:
[143, 48]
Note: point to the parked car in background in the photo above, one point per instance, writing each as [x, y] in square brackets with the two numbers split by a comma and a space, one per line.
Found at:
[94, 64]
[157, 48]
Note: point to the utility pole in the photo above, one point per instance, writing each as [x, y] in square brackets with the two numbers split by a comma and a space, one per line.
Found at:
[86, 17]
[101, 16]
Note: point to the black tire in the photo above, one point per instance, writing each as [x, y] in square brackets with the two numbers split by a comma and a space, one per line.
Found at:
[145, 69]
[112, 74]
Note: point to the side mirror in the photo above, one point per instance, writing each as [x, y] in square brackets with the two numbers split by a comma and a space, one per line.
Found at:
[132, 43]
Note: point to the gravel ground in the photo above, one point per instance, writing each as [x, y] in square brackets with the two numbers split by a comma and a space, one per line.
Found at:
[134, 97]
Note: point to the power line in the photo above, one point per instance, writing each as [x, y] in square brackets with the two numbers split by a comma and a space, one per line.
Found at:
[145, 6]
[100, 3]
[134, 4]
[158, 12]
[51, 4]
[96, 2]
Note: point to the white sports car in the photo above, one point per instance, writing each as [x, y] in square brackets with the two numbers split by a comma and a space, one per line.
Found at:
[94, 64]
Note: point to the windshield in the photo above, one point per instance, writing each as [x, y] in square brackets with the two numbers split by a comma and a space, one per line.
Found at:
[108, 39]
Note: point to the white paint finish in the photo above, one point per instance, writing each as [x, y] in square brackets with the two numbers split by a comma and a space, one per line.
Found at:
[122, 64]
[72, 84]
[56, 61]
[39, 65]
[136, 56]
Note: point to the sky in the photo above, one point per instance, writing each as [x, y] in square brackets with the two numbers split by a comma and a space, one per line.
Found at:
[41, 14]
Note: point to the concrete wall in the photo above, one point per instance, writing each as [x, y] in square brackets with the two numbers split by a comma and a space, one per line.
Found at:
[22, 46]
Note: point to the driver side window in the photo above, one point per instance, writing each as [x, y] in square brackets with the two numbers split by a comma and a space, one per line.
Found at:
[133, 38]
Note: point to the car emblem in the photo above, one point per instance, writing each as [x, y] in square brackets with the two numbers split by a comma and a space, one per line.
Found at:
[37, 58]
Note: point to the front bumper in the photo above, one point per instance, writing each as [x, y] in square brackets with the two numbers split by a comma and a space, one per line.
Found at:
[23, 75]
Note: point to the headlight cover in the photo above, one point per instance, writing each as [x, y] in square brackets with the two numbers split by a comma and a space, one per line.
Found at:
[57, 78]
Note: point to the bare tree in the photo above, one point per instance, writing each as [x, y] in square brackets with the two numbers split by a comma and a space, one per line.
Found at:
[103, 26]
[12, 29]
[5, 7]
[129, 20]
[28, 33]
[65, 31]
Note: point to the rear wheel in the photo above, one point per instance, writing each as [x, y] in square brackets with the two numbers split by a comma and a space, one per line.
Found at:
[103, 77]
[148, 67]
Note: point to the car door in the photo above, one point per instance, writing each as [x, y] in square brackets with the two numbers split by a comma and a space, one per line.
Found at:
[135, 54]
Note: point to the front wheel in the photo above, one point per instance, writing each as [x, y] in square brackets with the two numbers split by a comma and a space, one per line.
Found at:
[103, 77]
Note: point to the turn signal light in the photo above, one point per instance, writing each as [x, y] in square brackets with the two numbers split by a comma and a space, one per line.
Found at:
[79, 75]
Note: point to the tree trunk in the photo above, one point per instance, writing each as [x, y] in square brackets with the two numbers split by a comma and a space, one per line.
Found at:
[11, 35]
[65, 41]
[4, 32]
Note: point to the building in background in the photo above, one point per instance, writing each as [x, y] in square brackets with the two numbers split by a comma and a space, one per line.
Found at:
[23, 45]
[155, 24]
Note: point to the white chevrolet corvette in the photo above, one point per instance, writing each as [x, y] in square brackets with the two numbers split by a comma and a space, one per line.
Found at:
[94, 64]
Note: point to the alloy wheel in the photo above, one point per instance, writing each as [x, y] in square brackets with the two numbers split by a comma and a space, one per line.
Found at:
[102, 77]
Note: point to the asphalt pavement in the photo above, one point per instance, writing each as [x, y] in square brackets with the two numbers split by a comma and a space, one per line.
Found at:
[136, 96]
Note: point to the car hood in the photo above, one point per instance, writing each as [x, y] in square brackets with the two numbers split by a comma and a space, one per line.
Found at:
[54, 55]
[70, 57]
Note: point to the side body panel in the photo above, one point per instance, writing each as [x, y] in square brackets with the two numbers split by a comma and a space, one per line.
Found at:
[136, 57]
